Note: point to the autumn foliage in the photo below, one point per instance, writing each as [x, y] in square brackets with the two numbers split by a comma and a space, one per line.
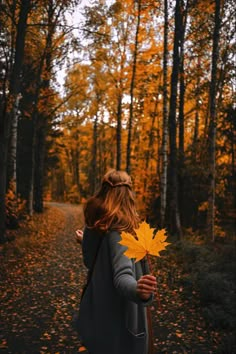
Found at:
[148, 87]
[153, 97]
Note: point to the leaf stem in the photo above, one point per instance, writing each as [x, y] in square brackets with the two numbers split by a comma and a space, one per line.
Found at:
[157, 292]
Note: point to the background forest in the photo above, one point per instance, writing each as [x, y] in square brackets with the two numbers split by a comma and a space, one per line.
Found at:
[149, 88]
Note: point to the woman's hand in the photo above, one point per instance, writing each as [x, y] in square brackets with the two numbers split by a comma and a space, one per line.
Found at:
[146, 286]
[79, 236]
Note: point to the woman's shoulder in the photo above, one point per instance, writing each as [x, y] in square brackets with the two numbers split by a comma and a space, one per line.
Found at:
[113, 237]
[113, 233]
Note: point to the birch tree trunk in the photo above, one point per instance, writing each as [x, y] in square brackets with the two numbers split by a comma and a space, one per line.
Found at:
[213, 124]
[164, 149]
[13, 147]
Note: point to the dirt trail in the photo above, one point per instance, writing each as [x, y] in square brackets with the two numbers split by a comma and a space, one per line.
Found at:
[40, 278]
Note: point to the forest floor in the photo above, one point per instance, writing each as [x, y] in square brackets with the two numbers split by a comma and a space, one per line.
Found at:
[41, 277]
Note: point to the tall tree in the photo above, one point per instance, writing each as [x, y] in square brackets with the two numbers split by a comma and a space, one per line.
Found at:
[119, 131]
[132, 86]
[11, 106]
[38, 119]
[181, 117]
[213, 123]
[183, 21]
[164, 148]
[93, 174]
[175, 224]
[49, 50]
[197, 112]
[42, 116]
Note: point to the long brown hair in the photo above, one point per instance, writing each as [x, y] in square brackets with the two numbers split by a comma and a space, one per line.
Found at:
[113, 206]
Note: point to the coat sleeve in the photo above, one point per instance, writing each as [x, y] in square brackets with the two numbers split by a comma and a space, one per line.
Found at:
[124, 277]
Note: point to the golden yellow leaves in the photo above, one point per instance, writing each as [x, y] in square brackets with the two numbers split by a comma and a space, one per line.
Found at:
[146, 242]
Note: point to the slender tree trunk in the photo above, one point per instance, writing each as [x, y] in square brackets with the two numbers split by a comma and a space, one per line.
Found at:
[196, 123]
[196, 133]
[34, 139]
[164, 149]
[73, 162]
[39, 169]
[11, 173]
[151, 135]
[233, 157]
[12, 156]
[32, 174]
[183, 21]
[120, 89]
[93, 172]
[6, 119]
[40, 122]
[76, 160]
[13, 147]
[213, 124]
[118, 132]
[42, 125]
[132, 86]
[102, 149]
[159, 148]
[77, 164]
[175, 225]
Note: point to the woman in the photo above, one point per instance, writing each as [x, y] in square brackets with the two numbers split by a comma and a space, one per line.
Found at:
[112, 315]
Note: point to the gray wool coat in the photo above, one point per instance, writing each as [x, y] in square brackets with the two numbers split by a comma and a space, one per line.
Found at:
[112, 317]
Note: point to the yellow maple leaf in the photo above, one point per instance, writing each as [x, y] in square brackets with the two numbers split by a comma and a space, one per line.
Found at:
[146, 242]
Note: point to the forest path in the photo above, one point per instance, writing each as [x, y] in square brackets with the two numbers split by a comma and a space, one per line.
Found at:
[42, 274]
